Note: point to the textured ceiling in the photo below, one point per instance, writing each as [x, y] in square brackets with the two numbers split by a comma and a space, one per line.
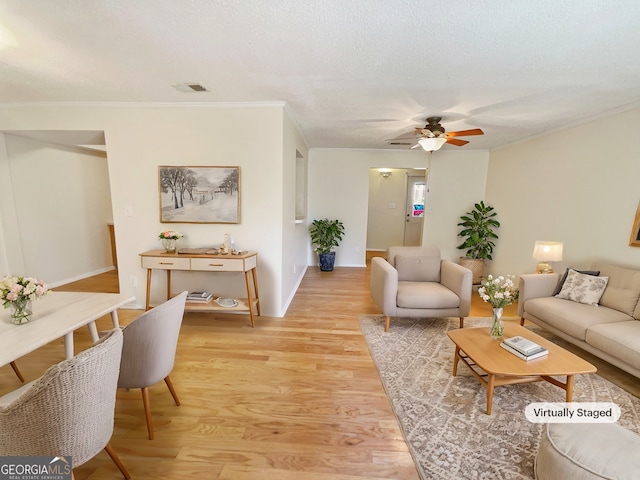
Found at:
[353, 73]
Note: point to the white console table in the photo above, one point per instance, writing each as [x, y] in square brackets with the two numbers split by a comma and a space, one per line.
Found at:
[245, 262]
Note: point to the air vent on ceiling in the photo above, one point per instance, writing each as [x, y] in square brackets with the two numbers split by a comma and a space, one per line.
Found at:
[189, 87]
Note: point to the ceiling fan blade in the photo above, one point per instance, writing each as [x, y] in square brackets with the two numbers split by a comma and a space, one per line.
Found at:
[455, 141]
[415, 146]
[466, 133]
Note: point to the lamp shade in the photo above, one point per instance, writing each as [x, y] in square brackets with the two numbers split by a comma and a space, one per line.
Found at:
[547, 251]
[432, 144]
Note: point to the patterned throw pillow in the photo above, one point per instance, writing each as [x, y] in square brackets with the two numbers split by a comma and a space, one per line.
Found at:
[583, 288]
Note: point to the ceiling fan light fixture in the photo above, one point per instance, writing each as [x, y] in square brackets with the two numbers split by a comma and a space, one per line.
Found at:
[432, 144]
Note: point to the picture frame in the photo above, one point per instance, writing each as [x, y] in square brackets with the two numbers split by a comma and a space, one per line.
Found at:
[634, 240]
[202, 194]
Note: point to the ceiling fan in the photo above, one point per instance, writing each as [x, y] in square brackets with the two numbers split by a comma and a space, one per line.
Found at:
[432, 136]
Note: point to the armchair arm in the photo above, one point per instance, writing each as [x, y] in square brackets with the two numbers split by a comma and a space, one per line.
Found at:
[534, 285]
[384, 285]
[459, 280]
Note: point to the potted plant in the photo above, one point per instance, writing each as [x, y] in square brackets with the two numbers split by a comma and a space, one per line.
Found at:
[326, 234]
[478, 232]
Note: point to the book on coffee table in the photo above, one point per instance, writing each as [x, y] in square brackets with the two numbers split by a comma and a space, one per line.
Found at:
[539, 353]
[523, 345]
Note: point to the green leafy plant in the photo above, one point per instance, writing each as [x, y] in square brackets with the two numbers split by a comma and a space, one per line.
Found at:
[326, 234]
[478, 225]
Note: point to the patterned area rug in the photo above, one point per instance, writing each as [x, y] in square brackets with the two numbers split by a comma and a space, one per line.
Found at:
[443, 417]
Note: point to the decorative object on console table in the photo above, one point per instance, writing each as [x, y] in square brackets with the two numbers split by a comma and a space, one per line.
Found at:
[17, 292]
[169, 239]
[545, 252]
[326, 234]
[499, 292]
[214, 194]
[478, 225]
[199, 297]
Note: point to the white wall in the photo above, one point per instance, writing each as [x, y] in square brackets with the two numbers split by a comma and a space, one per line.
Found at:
[578, 186]
[294, 235]
[339, 188]
[140, 138]
[56, 207]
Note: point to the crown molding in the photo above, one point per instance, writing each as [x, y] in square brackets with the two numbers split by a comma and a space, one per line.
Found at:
[214, 105]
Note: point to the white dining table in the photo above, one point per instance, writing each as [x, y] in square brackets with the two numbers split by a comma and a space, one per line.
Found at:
[57, 315]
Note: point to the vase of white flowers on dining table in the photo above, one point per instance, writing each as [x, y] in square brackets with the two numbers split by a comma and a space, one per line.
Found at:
[17, 292]
[499, 292]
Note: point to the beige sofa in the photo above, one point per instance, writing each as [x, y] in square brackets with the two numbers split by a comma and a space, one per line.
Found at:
[609, 330]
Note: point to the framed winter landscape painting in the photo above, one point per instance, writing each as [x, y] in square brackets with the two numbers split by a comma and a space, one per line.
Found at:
[199, 194]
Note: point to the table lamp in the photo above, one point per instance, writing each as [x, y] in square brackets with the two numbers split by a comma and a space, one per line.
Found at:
[545, 252]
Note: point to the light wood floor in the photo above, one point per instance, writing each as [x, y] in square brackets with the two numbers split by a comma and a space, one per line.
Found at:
[294, 398]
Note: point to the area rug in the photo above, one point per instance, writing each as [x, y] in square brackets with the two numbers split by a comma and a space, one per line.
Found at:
[443, 417]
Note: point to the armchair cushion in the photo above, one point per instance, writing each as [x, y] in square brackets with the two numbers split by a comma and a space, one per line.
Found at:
[425, 295]
[418, 269]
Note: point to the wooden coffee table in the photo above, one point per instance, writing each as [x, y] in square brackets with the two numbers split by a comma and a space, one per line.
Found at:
[476, 348]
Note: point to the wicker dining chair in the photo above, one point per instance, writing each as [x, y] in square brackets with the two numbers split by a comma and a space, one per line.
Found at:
[149, 350]
[69, 411]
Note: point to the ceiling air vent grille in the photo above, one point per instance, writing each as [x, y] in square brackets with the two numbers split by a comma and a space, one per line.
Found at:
[189, 87]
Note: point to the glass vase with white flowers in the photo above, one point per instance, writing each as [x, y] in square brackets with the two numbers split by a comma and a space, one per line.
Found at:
[168, 239]
[17, 292]
[499, 292]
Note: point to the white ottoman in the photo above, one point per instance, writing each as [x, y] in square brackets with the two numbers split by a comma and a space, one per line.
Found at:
[587, 451]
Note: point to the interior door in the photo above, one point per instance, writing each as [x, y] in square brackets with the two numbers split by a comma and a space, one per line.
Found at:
[414, 210]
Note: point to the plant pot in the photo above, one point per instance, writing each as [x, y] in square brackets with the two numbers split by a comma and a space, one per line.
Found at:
[476, 265]
[326, 261]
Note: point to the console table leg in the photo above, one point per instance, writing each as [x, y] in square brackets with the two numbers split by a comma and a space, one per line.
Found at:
[168, 284]
[255, 288]
[249, 299]
[149, 270]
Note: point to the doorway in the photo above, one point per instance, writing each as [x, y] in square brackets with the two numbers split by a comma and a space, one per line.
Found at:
[414, 209]
[396, 208]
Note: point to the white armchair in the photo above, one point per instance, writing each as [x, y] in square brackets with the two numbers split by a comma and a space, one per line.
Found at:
[416, 282]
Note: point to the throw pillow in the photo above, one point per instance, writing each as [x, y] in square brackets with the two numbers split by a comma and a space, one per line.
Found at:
[418, 269]
[564, 277]
[582, 288]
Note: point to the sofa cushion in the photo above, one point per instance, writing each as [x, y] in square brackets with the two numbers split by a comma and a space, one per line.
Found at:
[418, 269]
[564, 277]
[582, 288]
[623, 289]
[620, 340]
[425, 295]
[570, 317]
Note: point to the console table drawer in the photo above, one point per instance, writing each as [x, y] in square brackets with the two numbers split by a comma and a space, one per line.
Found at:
[166, 263]
[218, 264]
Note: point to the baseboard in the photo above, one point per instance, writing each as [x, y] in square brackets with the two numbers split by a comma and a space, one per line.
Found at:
[80, 277]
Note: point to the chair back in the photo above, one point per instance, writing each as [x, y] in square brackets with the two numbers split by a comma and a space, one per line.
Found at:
[70, 409]
[150, 343]
[415, 264]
